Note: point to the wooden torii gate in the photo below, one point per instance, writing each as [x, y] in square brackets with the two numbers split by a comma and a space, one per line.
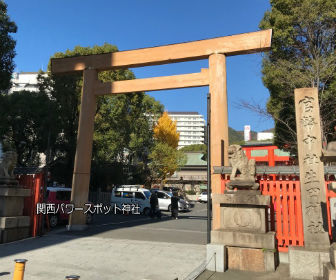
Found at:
[216, 50]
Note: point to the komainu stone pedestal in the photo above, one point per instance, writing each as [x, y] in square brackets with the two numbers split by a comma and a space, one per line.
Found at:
[243, 241]
[13, 226]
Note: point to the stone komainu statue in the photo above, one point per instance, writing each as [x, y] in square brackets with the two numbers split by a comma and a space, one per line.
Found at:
[8, 163]
[239, 162]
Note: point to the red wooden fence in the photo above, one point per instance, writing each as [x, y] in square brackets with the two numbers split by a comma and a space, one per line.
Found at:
[34, 182]
[286, 211]
[329, 195]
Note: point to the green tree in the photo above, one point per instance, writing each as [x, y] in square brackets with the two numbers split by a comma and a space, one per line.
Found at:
[122, 126]
[194, 148]
[26, 125]
[7, 48]
[302, 55]
[165, 160]
[124, 135]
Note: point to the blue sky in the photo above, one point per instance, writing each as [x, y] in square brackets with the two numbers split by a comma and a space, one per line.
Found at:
[46, 27]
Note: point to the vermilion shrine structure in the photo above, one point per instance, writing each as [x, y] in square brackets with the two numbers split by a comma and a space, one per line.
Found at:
[215, 50]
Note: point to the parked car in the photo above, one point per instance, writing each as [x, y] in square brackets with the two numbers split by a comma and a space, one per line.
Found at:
[203, 197]
[131, 194]
[170, 189]
[61, 196]
[164, 199]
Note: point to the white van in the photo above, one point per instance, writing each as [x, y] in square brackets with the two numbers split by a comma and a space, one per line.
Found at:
[131, 194]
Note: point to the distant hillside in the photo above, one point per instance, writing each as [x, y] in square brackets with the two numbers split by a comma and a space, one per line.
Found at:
[269, 130]
[237, 137]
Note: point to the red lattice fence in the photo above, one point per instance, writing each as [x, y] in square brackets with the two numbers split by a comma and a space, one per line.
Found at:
[286, 211]
[34, 182]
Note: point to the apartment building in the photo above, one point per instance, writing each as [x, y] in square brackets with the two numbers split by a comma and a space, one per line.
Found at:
[24, 81]
[191, 127]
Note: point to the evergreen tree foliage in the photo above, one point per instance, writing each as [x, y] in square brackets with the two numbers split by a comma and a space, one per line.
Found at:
[7, 48]
[302, 55]
[123, 132]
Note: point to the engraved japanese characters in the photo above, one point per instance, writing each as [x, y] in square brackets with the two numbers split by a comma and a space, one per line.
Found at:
[311, 167]
[311, 182]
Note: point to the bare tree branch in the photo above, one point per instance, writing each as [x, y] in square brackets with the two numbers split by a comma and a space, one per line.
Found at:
[262, 112]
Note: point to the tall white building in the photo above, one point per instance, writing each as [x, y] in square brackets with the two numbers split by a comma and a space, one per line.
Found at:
[24, 81]
[247, 133]
[191, 127]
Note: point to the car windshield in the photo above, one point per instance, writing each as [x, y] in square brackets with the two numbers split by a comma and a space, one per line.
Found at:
[147, 194]
[170, 194]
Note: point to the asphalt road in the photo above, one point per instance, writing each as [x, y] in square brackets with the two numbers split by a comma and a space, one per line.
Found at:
[191, 227]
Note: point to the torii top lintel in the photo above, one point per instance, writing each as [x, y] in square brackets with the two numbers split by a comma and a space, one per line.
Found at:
[245, 43]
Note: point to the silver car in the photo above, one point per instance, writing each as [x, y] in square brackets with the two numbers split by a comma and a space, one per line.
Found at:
[203, 197]
[164, 199]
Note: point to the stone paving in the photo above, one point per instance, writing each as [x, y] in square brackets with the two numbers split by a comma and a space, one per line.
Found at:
[119, 247]
[56, 255]
[282, 273]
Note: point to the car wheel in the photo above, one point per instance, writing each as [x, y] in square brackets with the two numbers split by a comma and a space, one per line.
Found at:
[169, 208]
[53, 221]
[89, 218]
[146, 211]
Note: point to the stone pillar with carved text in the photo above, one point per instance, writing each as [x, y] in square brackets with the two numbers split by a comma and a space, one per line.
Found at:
[311, 168]
[307, 262]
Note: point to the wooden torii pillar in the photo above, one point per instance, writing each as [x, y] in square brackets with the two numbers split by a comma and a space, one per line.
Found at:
[216, 50]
